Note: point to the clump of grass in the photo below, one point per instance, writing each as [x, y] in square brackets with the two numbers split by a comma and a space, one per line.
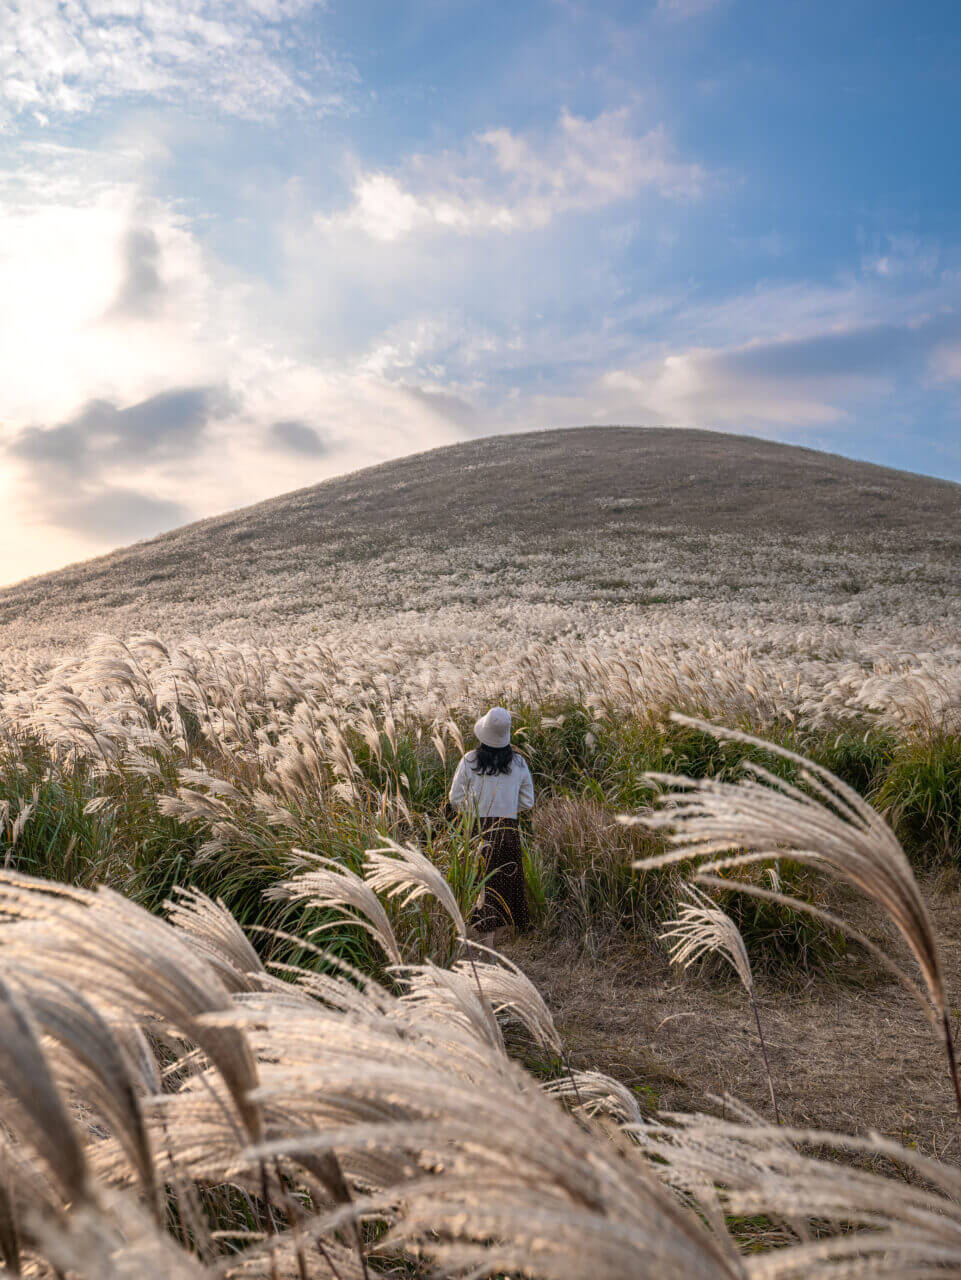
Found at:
[153, 769]
[580, 877]
[920, 795]
[786, 943]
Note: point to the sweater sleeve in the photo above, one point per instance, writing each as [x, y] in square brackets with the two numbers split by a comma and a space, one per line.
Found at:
[525, 795]
[459, 788]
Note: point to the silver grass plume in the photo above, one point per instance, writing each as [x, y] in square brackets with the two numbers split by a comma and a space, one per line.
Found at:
[451, 996]
[19, 822]
[405, 873]
[38, 1114]
[596, 1094]
[213, 931]
[325, 883]
[514, 998]
[902, 1225]
[115, 1240]
[455, 1147]
[134, 962]
[499, 1178]
[95, 1065]
[702, 928]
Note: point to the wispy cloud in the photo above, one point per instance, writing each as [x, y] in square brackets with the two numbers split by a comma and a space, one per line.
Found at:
[506, 181]
[63, 58]
[815, 380]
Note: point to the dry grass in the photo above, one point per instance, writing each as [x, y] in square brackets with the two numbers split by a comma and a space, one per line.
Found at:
[846, 1055]
[582, 877]
[827, 826]
[279, 1114]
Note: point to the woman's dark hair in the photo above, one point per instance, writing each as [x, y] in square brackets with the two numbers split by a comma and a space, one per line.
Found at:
[491, 760]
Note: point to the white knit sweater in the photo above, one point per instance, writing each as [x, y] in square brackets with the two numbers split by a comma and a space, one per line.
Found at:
[499, 795]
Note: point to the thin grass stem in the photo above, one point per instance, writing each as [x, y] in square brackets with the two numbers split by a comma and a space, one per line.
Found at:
[767, 1064]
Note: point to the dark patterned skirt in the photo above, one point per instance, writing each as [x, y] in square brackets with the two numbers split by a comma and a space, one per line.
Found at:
[505, 897]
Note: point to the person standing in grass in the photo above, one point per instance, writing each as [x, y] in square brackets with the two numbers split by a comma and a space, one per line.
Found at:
[495, 783]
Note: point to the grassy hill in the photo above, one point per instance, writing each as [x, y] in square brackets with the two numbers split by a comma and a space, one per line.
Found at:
[629, 516]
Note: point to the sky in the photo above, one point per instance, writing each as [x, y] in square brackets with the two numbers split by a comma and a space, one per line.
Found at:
[249, 244]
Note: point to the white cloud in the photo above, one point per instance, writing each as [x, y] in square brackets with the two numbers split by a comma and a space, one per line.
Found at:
[110, 303]
[697, 388]
[66, 56]
[65, 266]
[818, 376]
[782, 359]
[507, 181]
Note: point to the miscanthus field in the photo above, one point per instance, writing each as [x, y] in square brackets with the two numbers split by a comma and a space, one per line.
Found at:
[245, 1026]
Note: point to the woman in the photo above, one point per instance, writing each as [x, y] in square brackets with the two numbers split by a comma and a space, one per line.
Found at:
[495, 783]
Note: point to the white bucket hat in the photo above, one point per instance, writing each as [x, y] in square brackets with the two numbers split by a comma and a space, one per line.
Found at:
[494, 729]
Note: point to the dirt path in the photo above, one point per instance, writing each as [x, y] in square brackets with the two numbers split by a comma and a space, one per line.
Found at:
[844, 1056]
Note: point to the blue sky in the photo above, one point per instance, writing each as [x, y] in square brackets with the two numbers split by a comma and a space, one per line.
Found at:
[248, 245]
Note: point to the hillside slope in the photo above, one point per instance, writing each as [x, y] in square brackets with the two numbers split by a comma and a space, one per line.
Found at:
[630, 516]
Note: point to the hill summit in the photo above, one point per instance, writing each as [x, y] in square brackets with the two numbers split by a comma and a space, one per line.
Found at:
[623, 516]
